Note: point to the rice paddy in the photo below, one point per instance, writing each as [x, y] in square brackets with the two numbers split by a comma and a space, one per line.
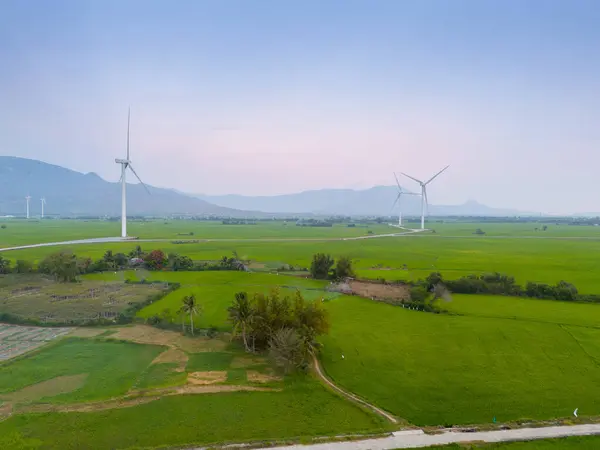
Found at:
[493, 358]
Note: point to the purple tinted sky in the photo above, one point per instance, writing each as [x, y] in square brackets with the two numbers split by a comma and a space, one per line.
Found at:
[268, 97]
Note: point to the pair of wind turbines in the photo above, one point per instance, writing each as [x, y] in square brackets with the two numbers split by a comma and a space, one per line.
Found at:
[28, 199]
[423, 194]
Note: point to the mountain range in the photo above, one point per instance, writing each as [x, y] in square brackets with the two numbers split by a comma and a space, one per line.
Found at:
[71, 193]
[375, 201]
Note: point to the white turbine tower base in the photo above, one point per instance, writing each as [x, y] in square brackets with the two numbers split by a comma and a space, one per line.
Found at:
[424, 193]
[43, 203]
[126, 163]
[398, 200]
[27, 200]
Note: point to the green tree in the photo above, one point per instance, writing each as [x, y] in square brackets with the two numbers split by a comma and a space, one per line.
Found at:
[190, 306]
[23, 266]
[343, 268]
[136, 252]
[4, 265]
[286, 350]
[321, 265]
[241, 315]
[63, 266]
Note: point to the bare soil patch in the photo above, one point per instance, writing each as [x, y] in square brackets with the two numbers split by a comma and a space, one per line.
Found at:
[380, 291]
[5, 410]
[206, 378]
[173, 355]
[219, 388]
[145, 334]
[257, 377]
[241, 362]
[89, 407]
[48, 388]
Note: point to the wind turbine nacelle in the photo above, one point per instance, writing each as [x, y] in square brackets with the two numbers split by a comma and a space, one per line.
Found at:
[121, 161]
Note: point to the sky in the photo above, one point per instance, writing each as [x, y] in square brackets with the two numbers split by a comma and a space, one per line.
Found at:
[269, 97]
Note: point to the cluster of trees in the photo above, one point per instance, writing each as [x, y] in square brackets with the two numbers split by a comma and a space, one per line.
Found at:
[501, 284]
[238, 222]
[285, 327]
[324, 267]
[65, 266]
[315, 223]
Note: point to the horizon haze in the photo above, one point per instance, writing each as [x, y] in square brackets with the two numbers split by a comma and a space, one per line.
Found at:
[270, 98]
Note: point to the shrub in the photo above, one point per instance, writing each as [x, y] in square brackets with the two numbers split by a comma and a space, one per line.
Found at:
[22, 266]
[321, 265]
[343, 268]
[155, 260]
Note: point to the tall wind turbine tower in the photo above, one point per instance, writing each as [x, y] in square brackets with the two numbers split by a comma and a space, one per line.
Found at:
[27, 199]
[126, 163]
[43, 203]
[398, 200]
[424, 193]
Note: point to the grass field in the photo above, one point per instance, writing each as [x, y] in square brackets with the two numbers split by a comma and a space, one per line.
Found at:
[437, 369]
[215, 291]
[453, 250]
[570, 443]
[110, 368]
[78, 370]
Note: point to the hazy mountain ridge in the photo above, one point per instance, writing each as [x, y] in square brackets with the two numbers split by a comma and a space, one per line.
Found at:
[68, 192]
[375, 201]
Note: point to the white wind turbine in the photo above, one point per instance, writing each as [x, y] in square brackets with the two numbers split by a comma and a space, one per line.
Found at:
[27, 199]
[43, 203]
[398, 200]
[424, 193]
[126, 163]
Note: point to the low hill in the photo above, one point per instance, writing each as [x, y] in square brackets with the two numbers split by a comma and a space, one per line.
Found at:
[68, 192]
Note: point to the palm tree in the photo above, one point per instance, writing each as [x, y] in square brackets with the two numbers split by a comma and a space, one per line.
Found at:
[241, 315]
[190, 306]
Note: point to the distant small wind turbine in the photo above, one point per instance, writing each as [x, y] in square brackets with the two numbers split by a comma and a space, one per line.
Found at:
[424, 193]
[126, 163]
[398, 200]
[27, 199]
[43, 203]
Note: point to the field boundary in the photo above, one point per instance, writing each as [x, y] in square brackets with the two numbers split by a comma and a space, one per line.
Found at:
[350, 396]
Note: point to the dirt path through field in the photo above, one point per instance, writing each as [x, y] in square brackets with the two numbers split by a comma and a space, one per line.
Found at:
[350, 396]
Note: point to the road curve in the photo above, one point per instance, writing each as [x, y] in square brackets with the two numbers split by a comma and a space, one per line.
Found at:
[418, 439]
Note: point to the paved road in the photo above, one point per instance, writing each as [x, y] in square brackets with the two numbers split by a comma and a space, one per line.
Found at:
[418, 439]
[119, 239]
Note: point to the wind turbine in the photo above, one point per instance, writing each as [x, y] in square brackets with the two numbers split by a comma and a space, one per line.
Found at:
[43, 203]
[398, 200]
[424, 193]
[27, 199]
[126, 163]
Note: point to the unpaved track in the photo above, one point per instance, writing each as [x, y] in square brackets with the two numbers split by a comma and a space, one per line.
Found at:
[418, 439]
[348, 395]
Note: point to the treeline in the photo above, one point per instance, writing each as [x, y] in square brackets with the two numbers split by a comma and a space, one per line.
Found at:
[285, 326]
[65, 266]
[501, 284]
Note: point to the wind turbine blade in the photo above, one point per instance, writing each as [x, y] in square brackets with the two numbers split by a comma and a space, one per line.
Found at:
[431, 179]
[139, 179]
[397, 182]
[128, 120]
[412, 178]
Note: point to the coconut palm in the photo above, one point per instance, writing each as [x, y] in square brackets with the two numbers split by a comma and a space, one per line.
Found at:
[241, 315]
[190, 306]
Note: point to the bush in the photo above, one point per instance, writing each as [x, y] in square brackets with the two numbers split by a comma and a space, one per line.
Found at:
[343, 268]
[321, 265]
[22, 266]
[3, 227]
